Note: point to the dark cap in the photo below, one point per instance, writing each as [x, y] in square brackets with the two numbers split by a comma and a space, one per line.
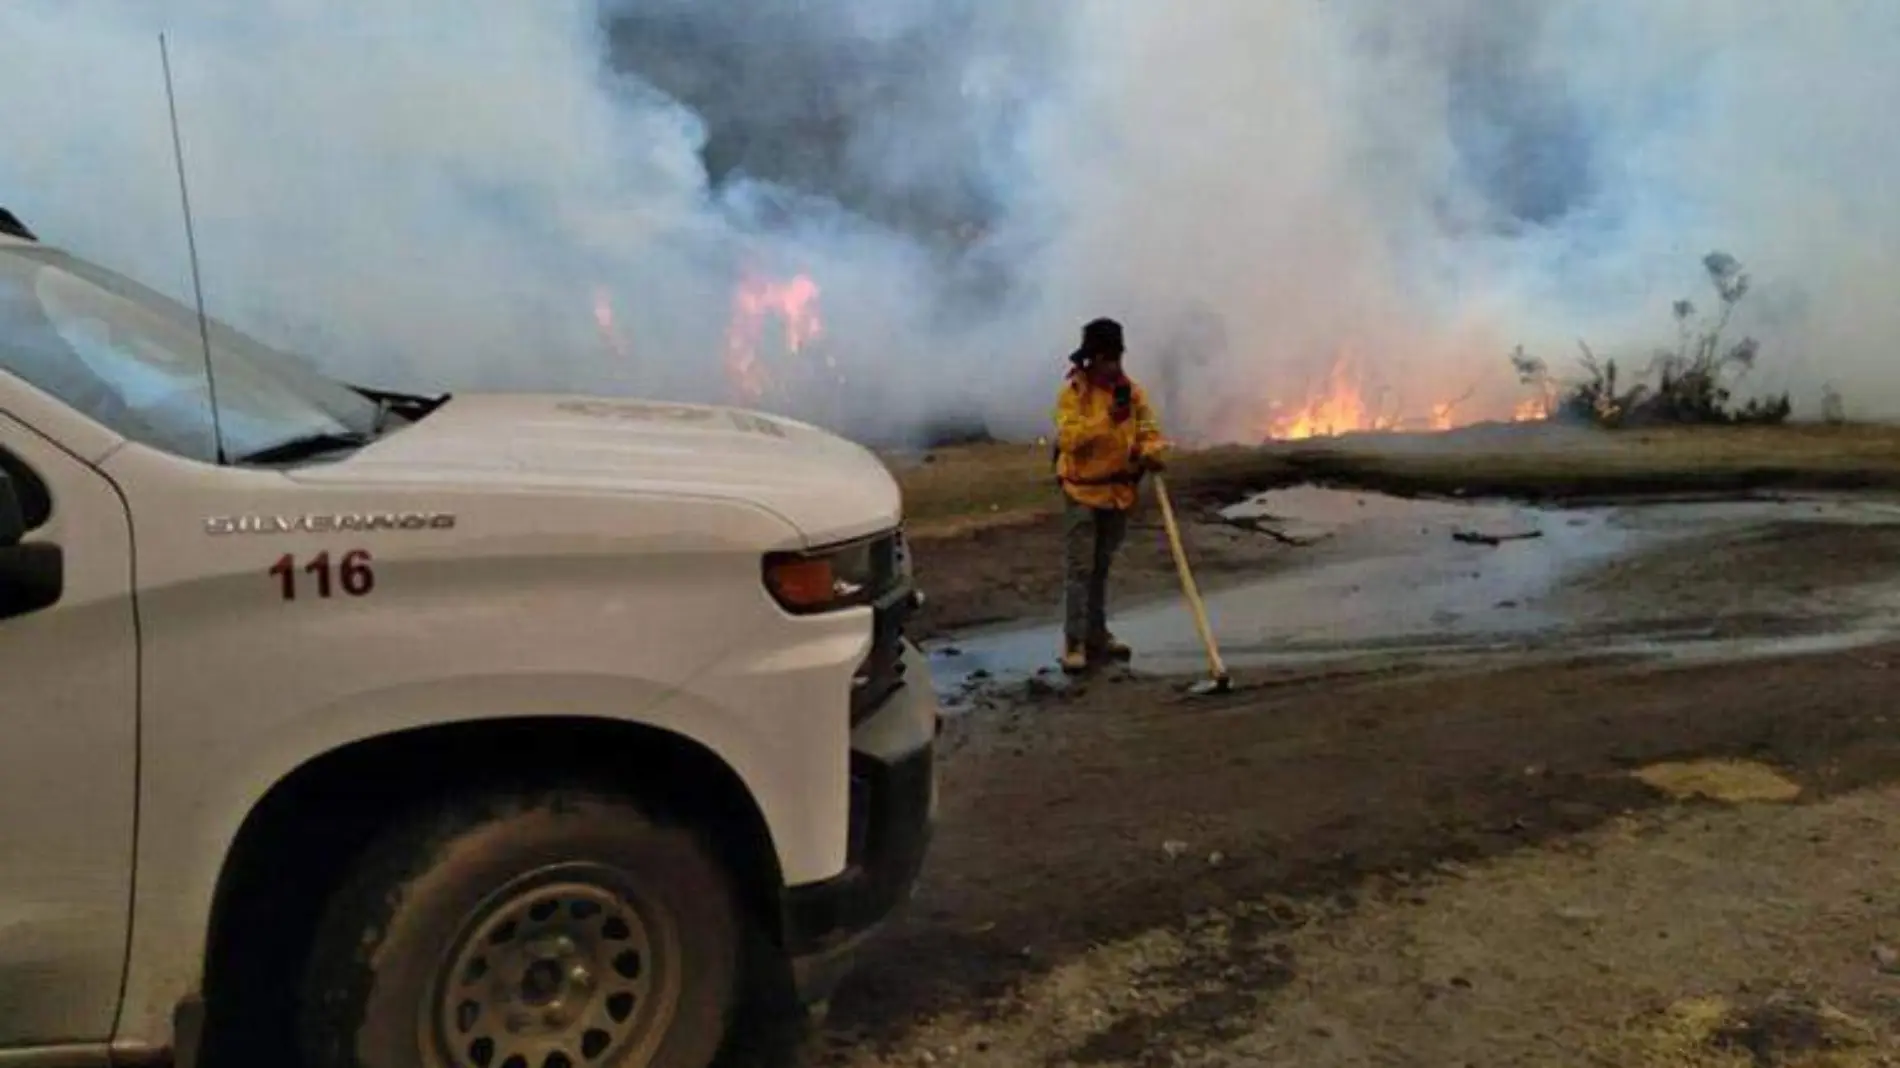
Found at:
[1100, 337]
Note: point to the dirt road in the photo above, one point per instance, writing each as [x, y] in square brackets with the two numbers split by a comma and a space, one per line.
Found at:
[1013, 572]
[1415, 864]
[1399, 869]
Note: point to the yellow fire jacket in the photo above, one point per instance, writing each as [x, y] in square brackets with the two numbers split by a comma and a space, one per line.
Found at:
[1098, 460]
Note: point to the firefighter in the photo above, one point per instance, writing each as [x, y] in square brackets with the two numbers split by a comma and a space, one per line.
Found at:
[1107, 438]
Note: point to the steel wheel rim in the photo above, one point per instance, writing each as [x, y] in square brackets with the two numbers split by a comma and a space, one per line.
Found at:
[566, 967]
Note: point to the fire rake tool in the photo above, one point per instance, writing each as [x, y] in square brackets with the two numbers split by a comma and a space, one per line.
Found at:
[1217, 681]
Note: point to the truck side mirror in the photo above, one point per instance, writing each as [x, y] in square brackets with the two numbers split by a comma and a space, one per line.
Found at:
[32, 577]
[12, 515]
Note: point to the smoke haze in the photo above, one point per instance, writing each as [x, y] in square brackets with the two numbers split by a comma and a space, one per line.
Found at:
[442, 194]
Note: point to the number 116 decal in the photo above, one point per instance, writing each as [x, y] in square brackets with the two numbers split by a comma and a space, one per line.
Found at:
[354, 574]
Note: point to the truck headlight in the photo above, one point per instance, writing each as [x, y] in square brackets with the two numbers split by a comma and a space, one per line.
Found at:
[823, 580]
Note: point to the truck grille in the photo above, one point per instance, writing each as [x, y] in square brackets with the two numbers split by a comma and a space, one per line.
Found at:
[882, 672]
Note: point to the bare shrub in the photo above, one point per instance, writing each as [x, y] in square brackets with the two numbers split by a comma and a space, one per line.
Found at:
[1691, 383]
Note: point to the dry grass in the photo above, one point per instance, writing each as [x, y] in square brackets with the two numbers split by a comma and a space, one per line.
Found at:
[1734, 782]
[1784, 1032]
[1557, 458]
[955, 489]
[975, 484]
[958, 489]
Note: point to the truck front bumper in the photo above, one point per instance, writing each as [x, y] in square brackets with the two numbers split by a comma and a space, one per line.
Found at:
[893, 810]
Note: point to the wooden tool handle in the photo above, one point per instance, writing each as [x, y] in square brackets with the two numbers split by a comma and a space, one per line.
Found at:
[1188, 588]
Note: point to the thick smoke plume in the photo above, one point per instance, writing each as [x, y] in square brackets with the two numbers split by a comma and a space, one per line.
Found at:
[563, 195]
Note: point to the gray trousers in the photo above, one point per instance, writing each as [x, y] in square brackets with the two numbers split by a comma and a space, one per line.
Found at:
[1090, 539]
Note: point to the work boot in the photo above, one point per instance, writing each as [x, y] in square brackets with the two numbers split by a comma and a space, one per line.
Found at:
[1075, 659]
[1110, 649]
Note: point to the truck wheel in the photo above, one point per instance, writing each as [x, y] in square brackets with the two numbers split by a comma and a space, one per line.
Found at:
[564, 931]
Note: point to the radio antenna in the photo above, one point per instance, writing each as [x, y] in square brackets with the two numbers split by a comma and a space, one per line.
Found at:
[191, 243]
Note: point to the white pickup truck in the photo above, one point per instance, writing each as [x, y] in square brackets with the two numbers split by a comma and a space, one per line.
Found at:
[377, 730]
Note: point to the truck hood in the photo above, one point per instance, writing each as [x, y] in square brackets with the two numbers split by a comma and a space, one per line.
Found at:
[828, 488]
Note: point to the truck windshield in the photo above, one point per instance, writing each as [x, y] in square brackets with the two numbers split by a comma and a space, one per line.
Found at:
[133, 360]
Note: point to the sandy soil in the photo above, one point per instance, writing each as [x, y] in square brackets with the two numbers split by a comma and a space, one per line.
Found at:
[1410, 864]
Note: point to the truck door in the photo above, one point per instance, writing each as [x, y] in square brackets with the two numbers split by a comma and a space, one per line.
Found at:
[68, 744]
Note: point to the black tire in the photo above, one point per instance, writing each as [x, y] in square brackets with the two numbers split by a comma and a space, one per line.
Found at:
[410, 970]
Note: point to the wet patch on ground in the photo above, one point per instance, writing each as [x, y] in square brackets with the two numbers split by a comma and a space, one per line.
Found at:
[1381, 576]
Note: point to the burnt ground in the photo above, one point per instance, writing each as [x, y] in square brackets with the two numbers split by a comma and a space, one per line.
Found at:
[1407, 865]
[1012, 573]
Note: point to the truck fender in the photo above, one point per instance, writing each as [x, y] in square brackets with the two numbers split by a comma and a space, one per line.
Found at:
[181, 877]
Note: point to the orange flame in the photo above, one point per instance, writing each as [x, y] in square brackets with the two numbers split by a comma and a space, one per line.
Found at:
[754, 302]
[1534, 410]
[1340, 406]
